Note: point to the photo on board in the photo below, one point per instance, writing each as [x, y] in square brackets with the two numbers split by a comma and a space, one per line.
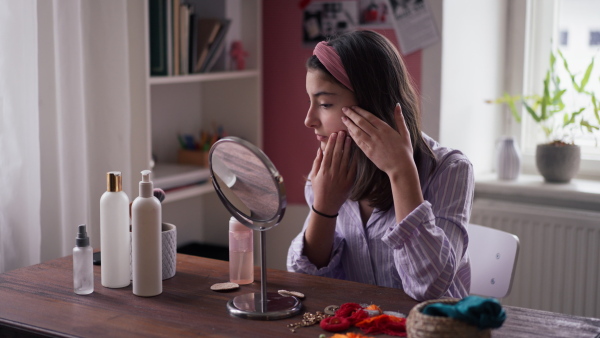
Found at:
[327, 18]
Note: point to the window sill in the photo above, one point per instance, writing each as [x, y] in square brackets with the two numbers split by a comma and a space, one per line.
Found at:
[579, 193]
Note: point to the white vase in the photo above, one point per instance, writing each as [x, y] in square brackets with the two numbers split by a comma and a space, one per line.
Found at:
[508, 161]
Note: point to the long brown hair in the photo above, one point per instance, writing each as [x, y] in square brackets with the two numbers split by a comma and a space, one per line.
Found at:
[380, 80]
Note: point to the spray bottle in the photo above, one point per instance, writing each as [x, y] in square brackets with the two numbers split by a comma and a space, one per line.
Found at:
[83, 265]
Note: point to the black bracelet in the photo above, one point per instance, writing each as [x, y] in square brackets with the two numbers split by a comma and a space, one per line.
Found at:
[322, 214]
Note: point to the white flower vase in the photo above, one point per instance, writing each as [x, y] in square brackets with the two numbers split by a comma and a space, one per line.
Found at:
[508, 161]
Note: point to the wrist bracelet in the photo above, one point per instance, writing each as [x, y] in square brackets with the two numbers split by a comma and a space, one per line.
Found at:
[322, 214]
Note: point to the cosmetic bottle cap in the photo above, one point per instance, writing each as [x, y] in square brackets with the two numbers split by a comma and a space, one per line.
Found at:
[113, 181]
[82, 239]
[146, 175]
[146, 186]
[235, 225]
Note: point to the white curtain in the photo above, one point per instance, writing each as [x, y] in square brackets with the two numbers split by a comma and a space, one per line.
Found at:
[19, 136]
[73, 80]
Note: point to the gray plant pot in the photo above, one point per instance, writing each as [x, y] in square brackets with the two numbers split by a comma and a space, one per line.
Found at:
[558, 163]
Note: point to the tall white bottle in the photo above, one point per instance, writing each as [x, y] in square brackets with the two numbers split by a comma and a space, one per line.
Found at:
[146, 240]
[115, 240]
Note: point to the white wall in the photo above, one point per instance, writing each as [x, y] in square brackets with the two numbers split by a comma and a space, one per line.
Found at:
[462, 71]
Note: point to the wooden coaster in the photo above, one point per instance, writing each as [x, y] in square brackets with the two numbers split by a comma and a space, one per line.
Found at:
[224, 286]
[291, 293]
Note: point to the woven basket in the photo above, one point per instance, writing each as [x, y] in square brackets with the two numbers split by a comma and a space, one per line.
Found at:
[419, 325]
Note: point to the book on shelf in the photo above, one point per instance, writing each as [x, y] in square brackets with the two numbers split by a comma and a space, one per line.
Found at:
[176, 49]
[169, 11]
[207, 30]
[192, 50]
[181, 42]
[217, 47]
[157, 10]
[185, 13]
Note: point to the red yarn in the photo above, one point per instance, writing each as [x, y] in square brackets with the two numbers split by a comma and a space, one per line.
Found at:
[335, 324]
[393, 326]
[352, 311]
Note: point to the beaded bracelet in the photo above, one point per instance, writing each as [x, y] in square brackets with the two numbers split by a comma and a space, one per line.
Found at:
[322, 214]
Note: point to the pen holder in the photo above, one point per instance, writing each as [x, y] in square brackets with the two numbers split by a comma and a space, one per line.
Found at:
[169, 250]
[195, 157]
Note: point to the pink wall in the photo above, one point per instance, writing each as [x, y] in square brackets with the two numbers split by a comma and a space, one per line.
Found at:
[288, 143]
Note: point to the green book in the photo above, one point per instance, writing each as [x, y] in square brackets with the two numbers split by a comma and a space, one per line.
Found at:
[157, 11]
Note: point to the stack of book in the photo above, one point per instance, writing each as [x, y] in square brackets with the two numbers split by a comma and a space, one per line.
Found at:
[182, 41]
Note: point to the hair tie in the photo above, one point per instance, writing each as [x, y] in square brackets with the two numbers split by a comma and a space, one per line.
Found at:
[322, 214]
[332, 62]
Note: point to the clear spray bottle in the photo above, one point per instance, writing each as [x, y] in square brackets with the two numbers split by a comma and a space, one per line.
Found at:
[83, 264]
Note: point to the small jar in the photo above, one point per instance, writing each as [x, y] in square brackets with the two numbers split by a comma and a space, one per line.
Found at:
[241, 253]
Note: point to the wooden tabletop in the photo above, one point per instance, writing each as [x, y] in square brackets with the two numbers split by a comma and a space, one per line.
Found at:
[39, 300]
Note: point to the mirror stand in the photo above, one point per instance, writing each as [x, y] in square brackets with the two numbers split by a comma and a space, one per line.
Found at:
[263, 305]
[240, 173]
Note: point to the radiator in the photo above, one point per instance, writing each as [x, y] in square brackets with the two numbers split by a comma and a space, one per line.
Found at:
[558, 268]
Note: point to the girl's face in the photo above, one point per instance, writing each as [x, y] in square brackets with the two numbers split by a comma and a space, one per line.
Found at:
[326, 101]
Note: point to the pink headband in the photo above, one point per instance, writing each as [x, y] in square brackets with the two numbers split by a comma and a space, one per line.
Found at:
[332, 62]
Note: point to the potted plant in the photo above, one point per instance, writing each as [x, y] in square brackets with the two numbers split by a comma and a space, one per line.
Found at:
[558, 159]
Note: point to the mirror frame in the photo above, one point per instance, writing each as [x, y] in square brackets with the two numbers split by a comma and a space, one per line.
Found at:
[253, 223]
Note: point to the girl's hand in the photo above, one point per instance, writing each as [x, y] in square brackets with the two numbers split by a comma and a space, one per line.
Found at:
[390, 150]
[333, 174]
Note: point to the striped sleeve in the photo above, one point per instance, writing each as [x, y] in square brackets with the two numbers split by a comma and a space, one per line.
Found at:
[431, 241]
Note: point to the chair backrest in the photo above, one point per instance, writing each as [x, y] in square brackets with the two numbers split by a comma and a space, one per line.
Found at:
[493, 254]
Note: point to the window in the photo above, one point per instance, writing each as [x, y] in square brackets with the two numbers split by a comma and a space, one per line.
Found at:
[572, 27]
[594, 38]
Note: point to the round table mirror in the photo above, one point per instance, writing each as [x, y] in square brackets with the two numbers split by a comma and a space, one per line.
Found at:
[253, 192]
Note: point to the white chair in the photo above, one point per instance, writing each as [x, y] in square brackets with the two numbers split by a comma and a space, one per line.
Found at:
[493, 255]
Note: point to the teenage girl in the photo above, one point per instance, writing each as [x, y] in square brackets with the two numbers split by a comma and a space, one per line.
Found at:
[389, 205]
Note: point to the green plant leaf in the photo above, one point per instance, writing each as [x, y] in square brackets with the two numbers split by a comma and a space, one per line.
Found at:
[511, 105]
[545, 97]
[596, 108]
[531, 112]
[546, 108]
[586, 76]
[570, 118]
[590, 128]
[566, 65]
[557, 98]
[547, 130]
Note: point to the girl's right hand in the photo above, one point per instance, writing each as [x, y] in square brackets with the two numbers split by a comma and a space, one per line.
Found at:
[333, 174]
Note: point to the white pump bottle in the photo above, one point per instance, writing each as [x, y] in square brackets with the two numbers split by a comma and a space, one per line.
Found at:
[146, 241]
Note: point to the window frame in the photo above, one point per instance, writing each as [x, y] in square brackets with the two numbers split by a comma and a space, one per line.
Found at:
[527, 62]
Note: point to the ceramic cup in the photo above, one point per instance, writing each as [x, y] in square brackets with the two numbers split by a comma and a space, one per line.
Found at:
[169, 251]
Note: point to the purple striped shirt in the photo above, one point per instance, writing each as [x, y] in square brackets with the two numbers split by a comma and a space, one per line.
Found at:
[425, 254]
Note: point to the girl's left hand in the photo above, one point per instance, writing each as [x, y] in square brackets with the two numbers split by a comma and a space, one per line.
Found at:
[390, 150]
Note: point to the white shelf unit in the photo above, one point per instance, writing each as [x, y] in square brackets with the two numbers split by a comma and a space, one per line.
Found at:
[187, 104]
